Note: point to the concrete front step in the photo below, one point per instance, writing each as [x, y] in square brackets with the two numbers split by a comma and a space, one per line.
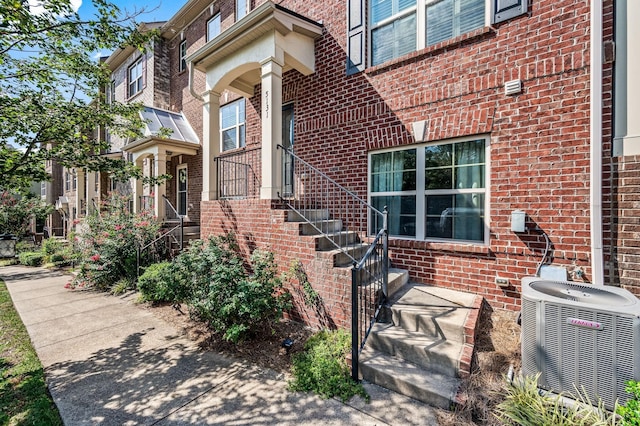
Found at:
[344, 238]
[329, 226]
[436, 312]
[409, 379]
[438, 355]
[304, 215]
[345, 256]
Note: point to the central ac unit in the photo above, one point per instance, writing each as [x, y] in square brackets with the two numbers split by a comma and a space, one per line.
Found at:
[582, 335]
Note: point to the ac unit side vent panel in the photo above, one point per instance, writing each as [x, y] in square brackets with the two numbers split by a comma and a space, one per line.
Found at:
[590, 346]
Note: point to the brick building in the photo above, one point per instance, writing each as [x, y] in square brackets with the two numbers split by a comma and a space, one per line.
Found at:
[498, 145]
[453, 116]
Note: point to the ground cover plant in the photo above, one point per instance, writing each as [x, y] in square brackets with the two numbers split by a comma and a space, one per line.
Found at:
[322, 367]
[24, 399]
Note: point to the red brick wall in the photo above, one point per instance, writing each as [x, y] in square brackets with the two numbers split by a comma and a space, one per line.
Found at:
[539, 139]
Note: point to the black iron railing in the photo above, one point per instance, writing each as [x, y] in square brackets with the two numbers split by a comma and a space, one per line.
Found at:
[238, 174]
[345, 220]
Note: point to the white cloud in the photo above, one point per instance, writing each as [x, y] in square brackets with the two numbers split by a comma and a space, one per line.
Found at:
[36, 6]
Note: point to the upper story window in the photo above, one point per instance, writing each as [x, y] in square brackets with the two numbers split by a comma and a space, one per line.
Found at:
[213, 27]
[241, 9]
[110, 92]
[397, 27]
[43, 189]
[232, 125]
[402, 26]
[182, 64]
[435, 191]
[135, 78]
[67, 181]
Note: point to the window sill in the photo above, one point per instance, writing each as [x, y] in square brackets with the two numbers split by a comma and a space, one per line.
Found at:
[429, 51]
[441, 246]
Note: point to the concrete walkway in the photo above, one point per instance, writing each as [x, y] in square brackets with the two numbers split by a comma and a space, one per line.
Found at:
[109, 362]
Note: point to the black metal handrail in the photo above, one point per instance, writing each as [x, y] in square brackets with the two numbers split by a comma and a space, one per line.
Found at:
[168, 233]
[310, 193]
[369, 293]
[238, 174]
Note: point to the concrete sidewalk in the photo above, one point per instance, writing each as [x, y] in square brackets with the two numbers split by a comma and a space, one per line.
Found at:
[109, 362]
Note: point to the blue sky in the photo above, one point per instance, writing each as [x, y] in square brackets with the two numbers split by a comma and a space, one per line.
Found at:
[157, 10]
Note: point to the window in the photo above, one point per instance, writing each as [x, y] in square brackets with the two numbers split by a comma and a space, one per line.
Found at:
[402, 26]
[241, 9]
[182, 65]
[182, 190]
[433, 192]
[96, 182]
[110, 94]
[74, 180]
[232, 127]
[43, 189]
[67, 181]
[135, 78]
[213, 27]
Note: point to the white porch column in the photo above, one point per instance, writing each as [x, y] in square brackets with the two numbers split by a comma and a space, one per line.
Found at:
[210, 144]
[138, 190]
[160, 168]
[271, 128]
[626, 139]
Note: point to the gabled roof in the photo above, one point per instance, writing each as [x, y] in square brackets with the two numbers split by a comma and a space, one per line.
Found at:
[155, 119]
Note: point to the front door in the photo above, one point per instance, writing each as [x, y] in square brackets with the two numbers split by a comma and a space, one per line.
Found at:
[182, 190]
[287, 142]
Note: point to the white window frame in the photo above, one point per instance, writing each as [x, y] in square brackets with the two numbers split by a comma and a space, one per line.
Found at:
[239, 126]
[421, 193]
[179, 168]
[420, 9]
[135, 80]
[67, 181]
[43, 189]
[210, 31]
[182, 51]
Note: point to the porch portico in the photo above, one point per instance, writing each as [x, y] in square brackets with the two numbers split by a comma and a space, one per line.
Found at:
[257, 49]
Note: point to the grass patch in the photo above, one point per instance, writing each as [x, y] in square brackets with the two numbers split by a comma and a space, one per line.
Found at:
[24, 399]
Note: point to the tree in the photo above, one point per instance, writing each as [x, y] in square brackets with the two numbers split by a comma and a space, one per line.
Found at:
[51, 88]
[16, 212]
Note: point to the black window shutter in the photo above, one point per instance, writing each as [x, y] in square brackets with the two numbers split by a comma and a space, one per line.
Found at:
[355, 36]
[507, 9]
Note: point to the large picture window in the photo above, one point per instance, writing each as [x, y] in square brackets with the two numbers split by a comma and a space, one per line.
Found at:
[232, 125]
[433, 192]
[402, 26]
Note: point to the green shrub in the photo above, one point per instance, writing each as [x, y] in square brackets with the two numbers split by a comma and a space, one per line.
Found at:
[525, 405]
[211, 277]
[109, 244]
[31, 258]
[22, 246]
[630, 412]
[122, 286]
[322, 367]
[156, 284]
[51, 246]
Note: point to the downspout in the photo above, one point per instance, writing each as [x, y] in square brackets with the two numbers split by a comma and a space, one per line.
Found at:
[191, 89]
[595, 124]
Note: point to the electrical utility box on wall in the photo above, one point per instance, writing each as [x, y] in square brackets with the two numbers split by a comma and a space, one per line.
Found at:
[582, 335]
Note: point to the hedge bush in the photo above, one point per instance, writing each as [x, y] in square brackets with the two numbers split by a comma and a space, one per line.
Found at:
[31, 258]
